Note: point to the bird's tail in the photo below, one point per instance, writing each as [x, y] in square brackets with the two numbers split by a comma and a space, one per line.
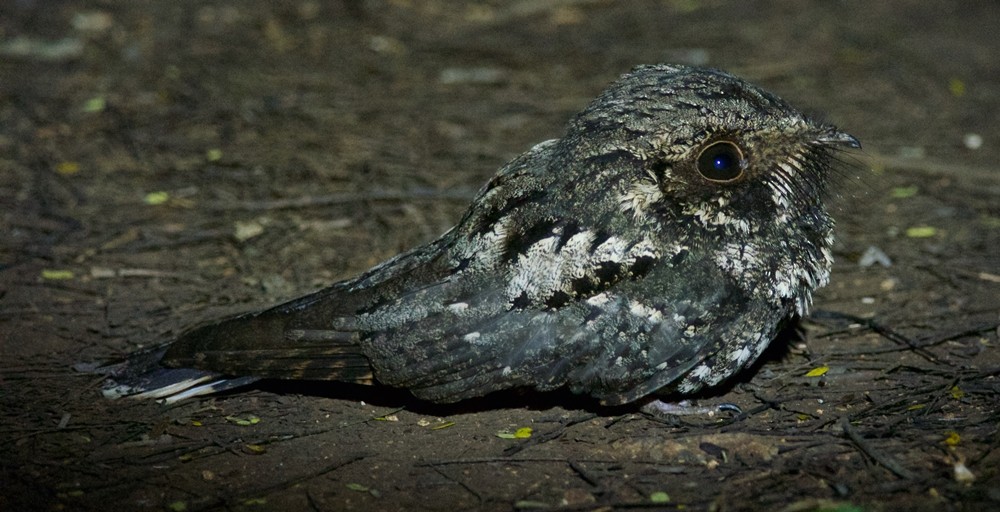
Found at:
[142, 376]
[315, 337]
[308, 338]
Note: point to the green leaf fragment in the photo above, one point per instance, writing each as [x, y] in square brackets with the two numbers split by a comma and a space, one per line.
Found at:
[921, 232]
[95, 104]
[957, 87]
[155, 198]
[68, 168]
[521, 433]
[819, 371]
[659, 497]
[243, 422]
[904, 192]
[57, 275]
[953, 439]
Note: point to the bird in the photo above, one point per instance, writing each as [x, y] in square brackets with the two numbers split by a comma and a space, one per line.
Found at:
[657, 247]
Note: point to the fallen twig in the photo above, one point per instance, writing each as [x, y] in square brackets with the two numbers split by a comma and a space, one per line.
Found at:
[346, 198]
[867, 448]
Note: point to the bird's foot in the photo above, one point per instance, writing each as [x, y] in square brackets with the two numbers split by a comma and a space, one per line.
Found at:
[686, 408]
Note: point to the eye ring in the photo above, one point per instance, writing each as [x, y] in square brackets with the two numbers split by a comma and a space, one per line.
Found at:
[721, 162]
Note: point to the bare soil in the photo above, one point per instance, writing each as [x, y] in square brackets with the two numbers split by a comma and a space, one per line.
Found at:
[164, 163]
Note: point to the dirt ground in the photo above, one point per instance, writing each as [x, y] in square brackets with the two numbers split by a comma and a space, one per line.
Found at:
[164, 163]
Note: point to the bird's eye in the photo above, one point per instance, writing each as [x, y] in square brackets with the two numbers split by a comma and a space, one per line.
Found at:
[721, 161]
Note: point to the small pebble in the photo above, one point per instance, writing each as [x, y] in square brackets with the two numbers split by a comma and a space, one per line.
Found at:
[972, 141]
[963, 474]
[873, 255]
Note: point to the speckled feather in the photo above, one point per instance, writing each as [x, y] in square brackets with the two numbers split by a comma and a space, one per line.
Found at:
[605, 261]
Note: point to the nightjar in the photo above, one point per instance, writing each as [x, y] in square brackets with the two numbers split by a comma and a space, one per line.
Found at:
[657, 246]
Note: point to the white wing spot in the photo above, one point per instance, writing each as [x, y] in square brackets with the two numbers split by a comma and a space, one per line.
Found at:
[458, 307]
[641, 310]
[598, 300]
[701, 371]
[740, 356]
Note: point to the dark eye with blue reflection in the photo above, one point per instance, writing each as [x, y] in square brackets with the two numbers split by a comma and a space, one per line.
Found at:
[721, 161]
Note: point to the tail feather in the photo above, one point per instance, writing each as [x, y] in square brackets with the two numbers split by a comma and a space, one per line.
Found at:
[142, 376]
[274, 345]
[189, 388]
[315, 337]
[309, 338]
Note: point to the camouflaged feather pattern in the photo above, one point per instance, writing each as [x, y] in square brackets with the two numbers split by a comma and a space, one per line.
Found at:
[618, 260]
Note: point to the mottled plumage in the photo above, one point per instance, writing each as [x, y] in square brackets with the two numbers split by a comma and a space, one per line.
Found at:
[658, 245]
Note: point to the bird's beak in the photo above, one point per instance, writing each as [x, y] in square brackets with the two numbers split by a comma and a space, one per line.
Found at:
[835, 138]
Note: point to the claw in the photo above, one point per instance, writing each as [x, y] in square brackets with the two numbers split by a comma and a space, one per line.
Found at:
[686, 408]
